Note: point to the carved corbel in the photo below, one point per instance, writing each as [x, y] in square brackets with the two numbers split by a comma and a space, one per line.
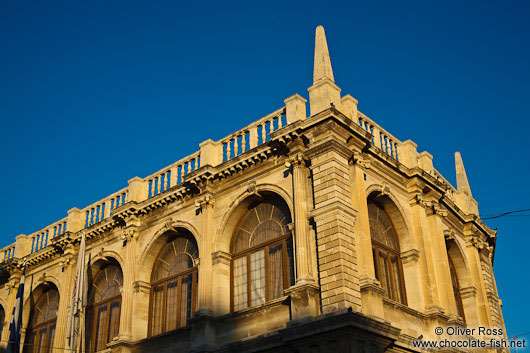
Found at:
[201, 203]
[251, 188]
[297, 160]
[361, 159]
[449, 234]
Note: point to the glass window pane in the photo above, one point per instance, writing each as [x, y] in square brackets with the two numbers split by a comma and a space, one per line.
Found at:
[240, 283]
[171, 305]
[290, 261]
[257, 277]
[384, 273]
[275, 270]
[185, 299]
[101, 320]
[114, 322]
[158, 305]
[397, 280]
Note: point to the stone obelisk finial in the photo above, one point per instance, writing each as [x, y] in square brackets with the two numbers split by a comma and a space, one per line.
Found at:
[461, 177]
[324, 93]
[322, 66]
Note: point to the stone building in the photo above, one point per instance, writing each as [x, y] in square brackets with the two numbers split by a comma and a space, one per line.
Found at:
[317, 232]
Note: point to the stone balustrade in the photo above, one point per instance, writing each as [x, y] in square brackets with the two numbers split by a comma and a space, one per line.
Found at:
[7, 252]
[381, 138]
[42, 238]
[102, 209]
[211, 153]
[252, 135]
[172, 175]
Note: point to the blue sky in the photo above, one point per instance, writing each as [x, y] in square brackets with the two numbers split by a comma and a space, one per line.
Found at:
[95, 93]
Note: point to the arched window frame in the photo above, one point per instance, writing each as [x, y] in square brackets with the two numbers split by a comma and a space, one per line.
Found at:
[396, 290]
[191, 271]
[286, 242]
[2, 319]
[37, 331]
[111, 306]
[456, 289]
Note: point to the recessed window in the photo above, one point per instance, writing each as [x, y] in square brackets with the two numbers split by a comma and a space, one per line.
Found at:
[385, 250]
[41, 330]
[174, 285]
[262, 263]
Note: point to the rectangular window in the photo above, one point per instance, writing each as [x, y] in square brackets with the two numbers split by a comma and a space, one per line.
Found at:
[240, 283]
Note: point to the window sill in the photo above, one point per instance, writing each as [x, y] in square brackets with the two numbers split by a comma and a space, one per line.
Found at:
[266, 305]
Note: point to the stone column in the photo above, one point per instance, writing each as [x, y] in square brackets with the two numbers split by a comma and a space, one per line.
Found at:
[304, 265]
[304, 294]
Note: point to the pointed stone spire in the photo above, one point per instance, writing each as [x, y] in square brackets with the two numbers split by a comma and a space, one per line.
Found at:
[324, 93]
[461, 177]
[322, 66]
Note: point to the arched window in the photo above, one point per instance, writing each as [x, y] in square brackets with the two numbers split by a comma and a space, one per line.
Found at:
[174, 285]
[385, 248]
[103, 312]
[456, 290]
[262, 249]
[41, 328]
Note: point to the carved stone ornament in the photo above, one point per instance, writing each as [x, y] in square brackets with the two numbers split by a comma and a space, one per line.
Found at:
[361, 159]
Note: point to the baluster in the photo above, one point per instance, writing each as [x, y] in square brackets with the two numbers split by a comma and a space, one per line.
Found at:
[101, 210]
[197, 162]
[32, 245]
[388, 150]
[263, 132]
[280, 124]
[159, 184]
[228, 150]
[236, 146]
[166, 179]
[395, 150]
[271, 127]
[243, 142]
[94, 213]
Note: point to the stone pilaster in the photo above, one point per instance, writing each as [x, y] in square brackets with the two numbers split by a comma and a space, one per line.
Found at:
[422, 236]
[202, 325]
[473, 245]
[65, 296]
[129, 236]
[435, 212]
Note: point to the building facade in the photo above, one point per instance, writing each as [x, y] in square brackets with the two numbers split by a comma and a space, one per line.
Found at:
[302, 232]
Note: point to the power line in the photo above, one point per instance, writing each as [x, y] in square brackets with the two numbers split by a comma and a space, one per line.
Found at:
[505, 214]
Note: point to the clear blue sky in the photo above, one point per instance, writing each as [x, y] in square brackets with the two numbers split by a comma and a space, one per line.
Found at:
[94, 93]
